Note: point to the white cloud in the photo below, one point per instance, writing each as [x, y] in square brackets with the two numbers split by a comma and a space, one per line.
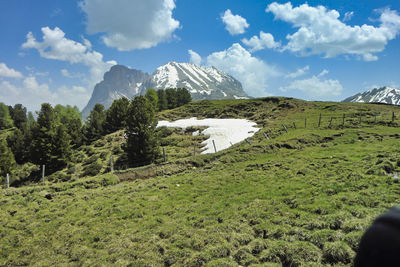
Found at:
[348, 16]
[323, 73]
[131, 24]
[234, 24]
[9, 72]
[298, 72]
[316, 88]
[194, 57]
[266, 40]
[321, 32]
[252, 72]
[67, 74]
[32, 94]
[56, 46]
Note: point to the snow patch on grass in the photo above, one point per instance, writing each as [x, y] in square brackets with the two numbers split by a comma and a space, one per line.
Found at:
[225, 132]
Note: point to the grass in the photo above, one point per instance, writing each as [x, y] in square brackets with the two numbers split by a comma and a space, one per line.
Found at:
[303, 198]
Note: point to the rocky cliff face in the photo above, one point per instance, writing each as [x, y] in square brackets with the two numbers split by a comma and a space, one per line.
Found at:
[384, 94]
[202, 83]
[118, 82]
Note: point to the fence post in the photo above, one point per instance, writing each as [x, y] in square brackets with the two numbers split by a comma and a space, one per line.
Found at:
[393, 116]
[8, 181]
[319, 121]
[305, 123]
[266, 136]
[330, 122]
[294, 125]
[215, 148]
[111, 164]
[43, 172]
[343, 119]
[284, 127]
[163, 151]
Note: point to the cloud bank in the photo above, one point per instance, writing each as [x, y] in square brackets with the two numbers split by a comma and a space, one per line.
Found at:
[321, 32]
[131, 24]
[252, 72]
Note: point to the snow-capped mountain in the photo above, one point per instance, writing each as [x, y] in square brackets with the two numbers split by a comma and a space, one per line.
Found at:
[384, 94]
[202, 83]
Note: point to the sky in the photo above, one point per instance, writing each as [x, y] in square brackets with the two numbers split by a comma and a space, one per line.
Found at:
[55, 51]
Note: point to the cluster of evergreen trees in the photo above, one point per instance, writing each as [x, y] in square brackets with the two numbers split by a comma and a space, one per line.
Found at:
[50, 139]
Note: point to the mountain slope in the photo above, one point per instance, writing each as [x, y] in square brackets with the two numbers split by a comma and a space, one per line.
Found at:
[384, 94]
[202, 83]
[119, 81]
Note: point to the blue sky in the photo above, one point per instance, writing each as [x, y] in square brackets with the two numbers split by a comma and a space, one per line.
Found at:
[56, 51]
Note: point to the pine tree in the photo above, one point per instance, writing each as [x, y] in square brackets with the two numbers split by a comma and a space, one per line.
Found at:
[116, 115]
[70, 117]
[6, 121]
[18, 115]
[152, 96]
[50, 142]
[94, 128]
[183, 96]
[171, 98]
[162, 100]
[7, 161]
[18, 145]
[142, 143]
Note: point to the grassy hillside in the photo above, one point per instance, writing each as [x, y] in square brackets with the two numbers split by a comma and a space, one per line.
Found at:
[303, 197]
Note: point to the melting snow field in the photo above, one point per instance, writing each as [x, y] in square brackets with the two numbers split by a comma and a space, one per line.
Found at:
[225, 132]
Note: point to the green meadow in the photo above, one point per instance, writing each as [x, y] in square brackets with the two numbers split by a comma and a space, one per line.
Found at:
[303, 197]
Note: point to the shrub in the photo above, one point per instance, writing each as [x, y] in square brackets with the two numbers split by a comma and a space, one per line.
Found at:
[353, 239]
[290, 254]
[244, 257]
[92, 169]
[337, 252]
[225, 262]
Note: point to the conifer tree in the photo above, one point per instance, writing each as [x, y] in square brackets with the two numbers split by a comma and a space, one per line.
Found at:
[50, 142]
[183, 96]
[18, 115]
[142, 142]
[152, 96]
[116, 115]
[6, 121]
[94, 128]
[162, 100]
[171, 98]
[7, 161]
[70, 117]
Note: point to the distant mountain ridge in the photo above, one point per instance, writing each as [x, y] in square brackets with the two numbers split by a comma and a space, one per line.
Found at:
[202, 83]
[384, 94]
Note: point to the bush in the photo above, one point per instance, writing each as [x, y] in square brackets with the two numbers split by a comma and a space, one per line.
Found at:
[244, 257]
[108, 179]
[290, 254]
[337, 252]
[92, 169]
[91, 159]
[117, 150]
[225, 262]
[353, 239]
[164, 132]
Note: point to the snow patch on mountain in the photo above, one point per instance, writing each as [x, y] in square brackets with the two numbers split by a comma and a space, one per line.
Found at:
[388, 95]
